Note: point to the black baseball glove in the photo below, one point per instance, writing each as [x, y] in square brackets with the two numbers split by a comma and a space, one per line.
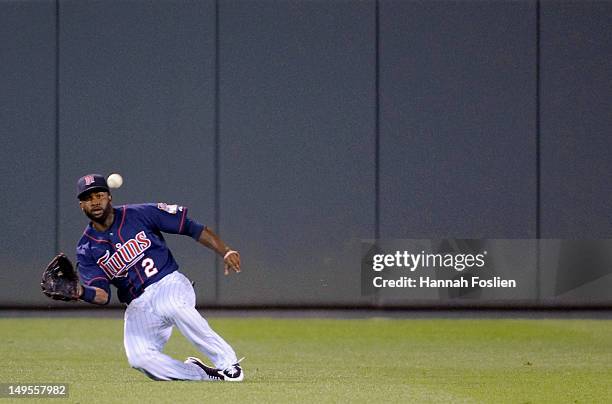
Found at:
[59, 280]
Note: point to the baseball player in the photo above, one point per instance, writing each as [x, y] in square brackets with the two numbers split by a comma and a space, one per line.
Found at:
[124, 246]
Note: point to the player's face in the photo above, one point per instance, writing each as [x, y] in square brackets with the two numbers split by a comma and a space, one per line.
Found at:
[97, 206]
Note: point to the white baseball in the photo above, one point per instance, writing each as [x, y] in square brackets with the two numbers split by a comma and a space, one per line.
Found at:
[114, 180]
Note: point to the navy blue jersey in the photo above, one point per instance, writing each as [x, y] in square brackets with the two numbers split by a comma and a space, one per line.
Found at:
[132, 254]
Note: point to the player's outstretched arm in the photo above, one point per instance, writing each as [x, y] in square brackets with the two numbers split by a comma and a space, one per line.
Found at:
[231, 258]
[100, 296]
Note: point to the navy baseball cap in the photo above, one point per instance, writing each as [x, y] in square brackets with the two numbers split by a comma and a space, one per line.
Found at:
[91, 182]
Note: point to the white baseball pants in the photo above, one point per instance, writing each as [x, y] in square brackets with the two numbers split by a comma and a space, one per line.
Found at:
[148, 324]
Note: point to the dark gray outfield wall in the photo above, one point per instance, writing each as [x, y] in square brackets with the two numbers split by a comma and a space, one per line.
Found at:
[298, 128]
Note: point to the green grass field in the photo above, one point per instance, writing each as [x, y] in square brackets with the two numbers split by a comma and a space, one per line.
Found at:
[331, 360]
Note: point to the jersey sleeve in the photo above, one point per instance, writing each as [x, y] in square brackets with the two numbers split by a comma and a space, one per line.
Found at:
[90, 273]
[171, 219]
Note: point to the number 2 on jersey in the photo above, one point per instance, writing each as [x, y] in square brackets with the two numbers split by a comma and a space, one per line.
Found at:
[149, 267]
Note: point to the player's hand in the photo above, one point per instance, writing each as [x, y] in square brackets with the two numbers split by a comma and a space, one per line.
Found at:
[78, 292]
[231, 261]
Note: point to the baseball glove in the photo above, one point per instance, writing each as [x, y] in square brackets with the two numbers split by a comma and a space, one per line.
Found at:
[59, 280]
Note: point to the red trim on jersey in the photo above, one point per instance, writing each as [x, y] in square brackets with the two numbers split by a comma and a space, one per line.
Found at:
[131, 290]
[138, 273]
[121, 225]
[182, 220]
[96, 278]
[97, 240]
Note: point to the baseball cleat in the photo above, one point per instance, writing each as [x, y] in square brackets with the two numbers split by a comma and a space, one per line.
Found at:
[212, 373]
[234, 373]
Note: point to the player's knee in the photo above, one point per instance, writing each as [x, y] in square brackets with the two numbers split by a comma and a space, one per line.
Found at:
[141, 361]
[146, 363]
